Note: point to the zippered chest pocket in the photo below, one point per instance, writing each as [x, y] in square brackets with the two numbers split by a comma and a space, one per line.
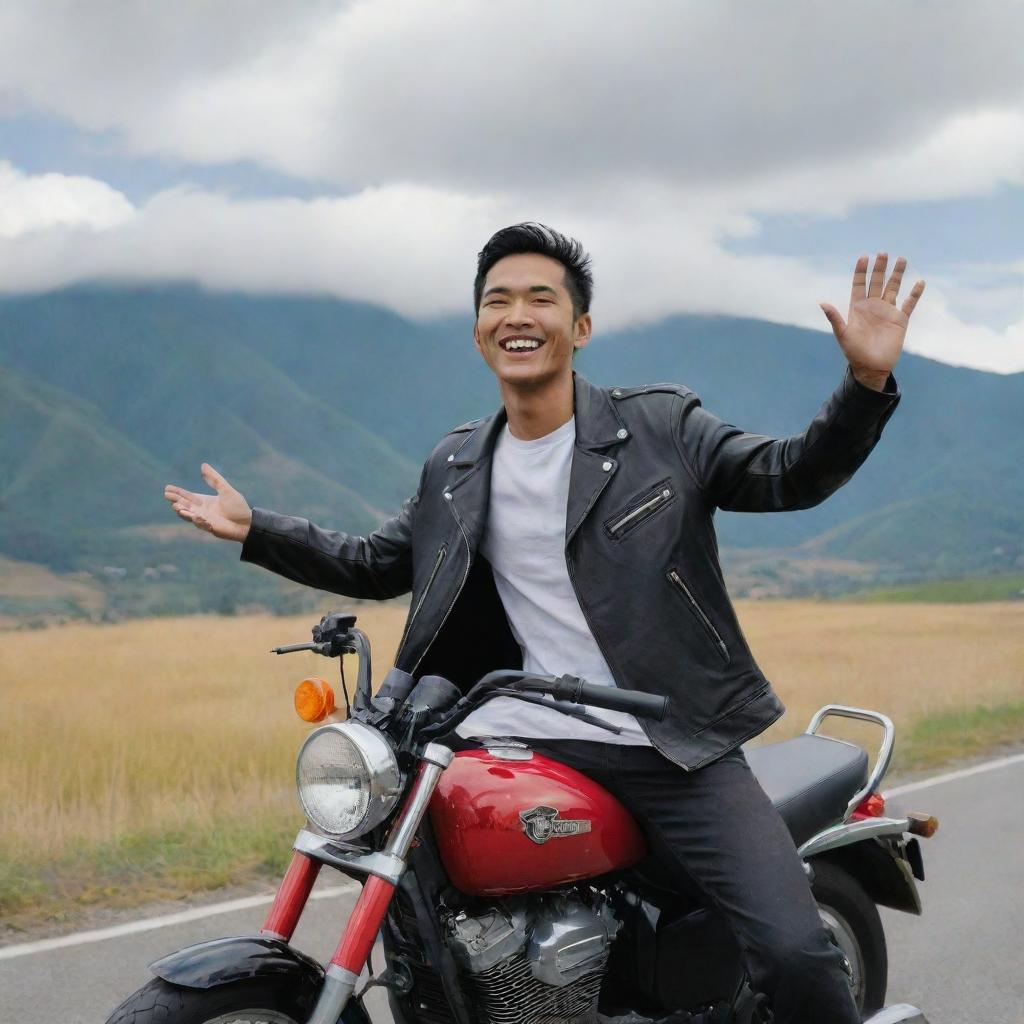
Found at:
[680, 587]
[641, 508]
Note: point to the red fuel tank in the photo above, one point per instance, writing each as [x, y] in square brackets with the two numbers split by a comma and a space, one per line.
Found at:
[506, 826]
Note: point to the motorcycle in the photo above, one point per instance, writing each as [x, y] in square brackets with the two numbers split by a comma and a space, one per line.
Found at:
[511, 889]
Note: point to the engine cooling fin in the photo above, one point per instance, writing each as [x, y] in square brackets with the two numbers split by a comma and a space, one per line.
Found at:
[508, 993]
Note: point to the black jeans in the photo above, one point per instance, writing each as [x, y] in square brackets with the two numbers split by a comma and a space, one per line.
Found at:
[718, 827]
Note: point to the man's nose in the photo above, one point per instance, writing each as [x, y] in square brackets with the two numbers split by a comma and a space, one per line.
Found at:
[519, 314]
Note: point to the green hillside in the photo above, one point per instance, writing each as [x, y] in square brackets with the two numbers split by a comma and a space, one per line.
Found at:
[326, 409]
[968, 590]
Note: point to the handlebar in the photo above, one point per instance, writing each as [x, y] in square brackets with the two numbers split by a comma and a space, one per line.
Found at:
[643, 705]
[333, 636]
[336, 635]
[570, 689]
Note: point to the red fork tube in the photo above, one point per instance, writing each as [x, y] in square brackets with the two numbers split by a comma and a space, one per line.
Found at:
[291, 897]
[366, 920]
[361, 931]
[372, 905]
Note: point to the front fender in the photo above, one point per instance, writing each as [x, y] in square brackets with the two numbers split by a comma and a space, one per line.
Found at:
[222, 961]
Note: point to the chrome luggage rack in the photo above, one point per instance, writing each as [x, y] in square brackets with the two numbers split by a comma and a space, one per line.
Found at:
[884, 758]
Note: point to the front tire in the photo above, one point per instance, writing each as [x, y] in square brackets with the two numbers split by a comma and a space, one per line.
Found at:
[252, 1001]
[850, 915]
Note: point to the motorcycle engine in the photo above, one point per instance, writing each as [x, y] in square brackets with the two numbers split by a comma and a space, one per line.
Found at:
[535, 960]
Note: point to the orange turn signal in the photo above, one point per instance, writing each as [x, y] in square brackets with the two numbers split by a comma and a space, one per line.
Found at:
[923, 825]
[314, 699]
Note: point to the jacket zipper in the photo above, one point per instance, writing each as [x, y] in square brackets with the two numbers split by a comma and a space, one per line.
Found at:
[465, 576]
[426, 590]
[661, 496]
[708, 625]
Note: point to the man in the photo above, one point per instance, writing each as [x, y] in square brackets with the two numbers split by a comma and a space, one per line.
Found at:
[572, 532]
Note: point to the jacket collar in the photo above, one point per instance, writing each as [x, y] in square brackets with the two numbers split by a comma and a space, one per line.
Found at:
[597, 425]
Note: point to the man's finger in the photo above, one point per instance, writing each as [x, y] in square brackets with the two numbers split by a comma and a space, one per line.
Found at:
[892, 288]
[213, 478]
[175, 493]
[877, 275]
[837, 322]
[184, 513]
[911, 300]
[860, 275]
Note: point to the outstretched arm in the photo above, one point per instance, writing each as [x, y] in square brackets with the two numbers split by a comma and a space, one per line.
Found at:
[743, 472]
[376, 566]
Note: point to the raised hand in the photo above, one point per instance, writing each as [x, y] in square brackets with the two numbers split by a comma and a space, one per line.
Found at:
[872, 335]
[225, 514]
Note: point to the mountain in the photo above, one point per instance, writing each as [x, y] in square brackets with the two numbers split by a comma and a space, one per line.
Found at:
[327, 408]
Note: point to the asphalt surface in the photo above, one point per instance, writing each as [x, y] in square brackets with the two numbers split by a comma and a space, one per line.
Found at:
[962, 961]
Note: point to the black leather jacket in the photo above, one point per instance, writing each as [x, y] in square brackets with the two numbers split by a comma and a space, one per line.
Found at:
[649, 469]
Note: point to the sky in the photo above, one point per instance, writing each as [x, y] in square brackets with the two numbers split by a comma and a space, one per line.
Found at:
[714, 157]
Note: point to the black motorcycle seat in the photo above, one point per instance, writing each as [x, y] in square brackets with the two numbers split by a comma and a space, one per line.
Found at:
[809, 779]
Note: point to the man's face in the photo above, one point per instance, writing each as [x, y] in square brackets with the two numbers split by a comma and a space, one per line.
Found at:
[525, 328]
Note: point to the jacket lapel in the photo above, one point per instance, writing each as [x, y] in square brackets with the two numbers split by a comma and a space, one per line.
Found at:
[469, 479]
[598, 427]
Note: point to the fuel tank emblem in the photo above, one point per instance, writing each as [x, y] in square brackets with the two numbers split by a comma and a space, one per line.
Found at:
[543, 823]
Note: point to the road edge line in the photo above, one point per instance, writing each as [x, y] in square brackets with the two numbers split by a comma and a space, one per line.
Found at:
[147, 924]
[962, 773]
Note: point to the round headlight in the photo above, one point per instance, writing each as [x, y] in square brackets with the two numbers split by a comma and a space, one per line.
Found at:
[348, 779]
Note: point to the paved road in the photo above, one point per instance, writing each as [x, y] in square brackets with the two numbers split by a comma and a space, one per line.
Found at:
[963, 961]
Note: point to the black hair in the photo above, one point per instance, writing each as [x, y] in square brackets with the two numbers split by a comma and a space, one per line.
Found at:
[539, 238]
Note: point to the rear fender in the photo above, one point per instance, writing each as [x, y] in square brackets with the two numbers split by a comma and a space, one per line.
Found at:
[883, 868]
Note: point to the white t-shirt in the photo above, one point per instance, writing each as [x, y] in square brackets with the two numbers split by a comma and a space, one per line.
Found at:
[524, 541]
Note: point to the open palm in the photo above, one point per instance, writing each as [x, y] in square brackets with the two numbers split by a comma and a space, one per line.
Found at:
[873, 333]
[225, 514]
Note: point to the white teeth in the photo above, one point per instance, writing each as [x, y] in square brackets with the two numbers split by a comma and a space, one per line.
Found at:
[518, 343]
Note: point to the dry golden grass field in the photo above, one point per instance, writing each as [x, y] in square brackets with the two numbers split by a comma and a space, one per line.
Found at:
[154, 757]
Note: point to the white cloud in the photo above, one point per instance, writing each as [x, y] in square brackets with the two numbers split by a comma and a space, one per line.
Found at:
[381, 245]
[654, 132]
[966, 155]
[479, 96]
[412, 248]
[42, 202]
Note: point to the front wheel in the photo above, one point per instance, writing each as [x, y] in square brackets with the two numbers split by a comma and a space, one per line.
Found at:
[850, 915]
[252, 1001]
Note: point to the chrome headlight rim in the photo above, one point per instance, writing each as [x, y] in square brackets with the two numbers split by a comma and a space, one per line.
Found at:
[381, 765]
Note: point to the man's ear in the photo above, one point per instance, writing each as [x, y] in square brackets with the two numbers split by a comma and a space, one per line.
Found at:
[476, 338]
[582, 331]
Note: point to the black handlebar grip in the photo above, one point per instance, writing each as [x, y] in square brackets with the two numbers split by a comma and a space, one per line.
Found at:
[643, 705]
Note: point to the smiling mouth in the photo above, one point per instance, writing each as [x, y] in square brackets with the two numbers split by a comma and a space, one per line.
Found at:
[520, 344]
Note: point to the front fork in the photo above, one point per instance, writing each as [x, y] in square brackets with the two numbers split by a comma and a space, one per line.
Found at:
[384, 868]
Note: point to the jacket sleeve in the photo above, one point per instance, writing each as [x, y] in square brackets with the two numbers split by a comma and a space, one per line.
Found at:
[741, 472]
[377, 566]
